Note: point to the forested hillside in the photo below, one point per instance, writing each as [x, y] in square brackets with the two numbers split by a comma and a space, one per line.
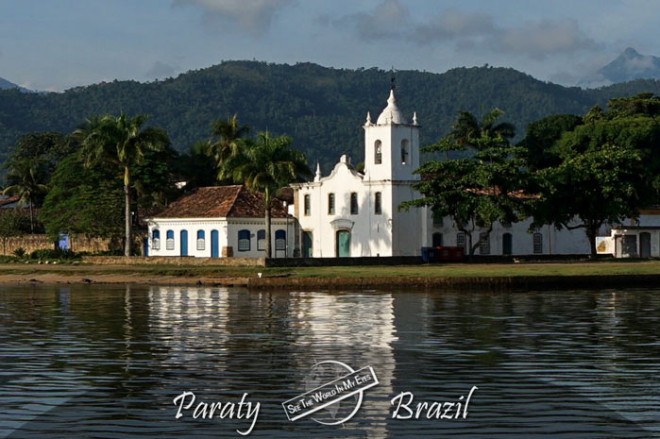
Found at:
[321, 108]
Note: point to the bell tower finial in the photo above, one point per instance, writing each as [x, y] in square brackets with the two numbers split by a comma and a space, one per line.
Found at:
[392, 79]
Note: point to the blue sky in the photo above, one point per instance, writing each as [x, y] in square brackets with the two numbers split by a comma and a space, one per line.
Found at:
[58, 44]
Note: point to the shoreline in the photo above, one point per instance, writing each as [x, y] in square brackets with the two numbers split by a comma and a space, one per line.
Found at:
[336, 278]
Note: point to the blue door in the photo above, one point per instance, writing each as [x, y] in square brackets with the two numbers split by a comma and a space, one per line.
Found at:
[184, 242]
[343, 244]
[215, 244]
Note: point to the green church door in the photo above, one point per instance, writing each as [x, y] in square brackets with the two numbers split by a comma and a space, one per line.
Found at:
[343, 244]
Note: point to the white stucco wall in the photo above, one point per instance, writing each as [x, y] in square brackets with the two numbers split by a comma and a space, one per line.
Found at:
[554, 241]
[228, 230]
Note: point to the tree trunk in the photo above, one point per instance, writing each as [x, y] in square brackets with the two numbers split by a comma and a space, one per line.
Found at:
[127, 212]
[31, 216]
[267, 220]
[591, 234]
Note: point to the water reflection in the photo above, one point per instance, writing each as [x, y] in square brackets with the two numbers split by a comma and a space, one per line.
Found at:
[107, 362]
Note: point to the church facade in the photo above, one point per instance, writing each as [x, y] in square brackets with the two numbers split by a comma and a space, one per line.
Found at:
[356, 214]
[350, 213]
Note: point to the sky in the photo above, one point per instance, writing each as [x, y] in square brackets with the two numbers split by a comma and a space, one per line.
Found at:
[53, 45]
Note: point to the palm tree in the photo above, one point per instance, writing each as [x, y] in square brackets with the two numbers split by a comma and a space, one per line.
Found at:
[24, 181]
[122, 141]
[468, 131]
[228, 136]
[266, 165]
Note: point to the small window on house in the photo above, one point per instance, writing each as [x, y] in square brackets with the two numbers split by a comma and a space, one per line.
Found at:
[155, 239]
[404, 151]
[169, 240]
[261, 240]
[354, 203]
[331, 204]
[280, 240]
[201, 240]
[307, 205]
[460, 240]
[378, 148]
[378, 203]
[484, 244]
[537, 243]
[437, 240]
[243, 240]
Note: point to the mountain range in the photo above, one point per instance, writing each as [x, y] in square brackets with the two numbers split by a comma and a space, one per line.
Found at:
[4, 84]
[322, 108]
[629, 66]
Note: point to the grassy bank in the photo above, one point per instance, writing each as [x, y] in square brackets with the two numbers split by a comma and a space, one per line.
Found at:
[523, 275]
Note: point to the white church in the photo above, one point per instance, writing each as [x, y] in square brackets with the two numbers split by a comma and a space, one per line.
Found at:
[356, 214]
[349, 214]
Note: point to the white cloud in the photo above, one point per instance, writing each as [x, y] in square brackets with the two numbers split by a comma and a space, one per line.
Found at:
[469, 30]
[252, 16]
[540, 39]
[454, 24]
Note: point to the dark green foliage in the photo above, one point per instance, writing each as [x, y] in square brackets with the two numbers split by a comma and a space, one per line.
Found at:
[321, 108]
[542, 135]
[82, 200]
[607, 168]
[480, 188]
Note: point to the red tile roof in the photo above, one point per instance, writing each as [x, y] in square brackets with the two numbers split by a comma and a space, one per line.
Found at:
[221, 202]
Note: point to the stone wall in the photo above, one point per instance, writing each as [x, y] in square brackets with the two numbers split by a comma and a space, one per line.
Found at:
[175, 260]
[30, 243]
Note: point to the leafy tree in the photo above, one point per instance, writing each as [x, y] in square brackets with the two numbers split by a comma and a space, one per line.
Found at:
[83, 200]
[478, 189]
[227, 135]
[121, 141]
[541, 137]
[265, 164]
[589, 189]
[25, 181]
[10, 226]
[197, 167]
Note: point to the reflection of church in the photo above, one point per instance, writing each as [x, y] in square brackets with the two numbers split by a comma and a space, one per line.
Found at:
[351, 213]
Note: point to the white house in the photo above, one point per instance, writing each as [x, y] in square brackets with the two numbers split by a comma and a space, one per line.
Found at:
[634, 238]
[220, 221]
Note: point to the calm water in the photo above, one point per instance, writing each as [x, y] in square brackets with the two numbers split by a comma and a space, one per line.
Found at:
[109, 362]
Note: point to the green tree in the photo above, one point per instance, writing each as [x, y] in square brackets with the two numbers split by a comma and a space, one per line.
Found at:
[10, 226]
[226, 141]
[481, 187]
[121, 141]
[84, 200]
[25, 181]
[266, 165]
[542, 135]
[589, 189]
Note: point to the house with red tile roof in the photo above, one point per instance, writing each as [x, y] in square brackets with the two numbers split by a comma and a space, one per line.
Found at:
[221, 221]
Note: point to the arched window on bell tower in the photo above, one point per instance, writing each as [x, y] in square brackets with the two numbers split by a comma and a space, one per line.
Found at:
[404, 151]
[378, 152]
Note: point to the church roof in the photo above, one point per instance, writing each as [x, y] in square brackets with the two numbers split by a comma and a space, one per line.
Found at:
[221, 202]
[391, 114]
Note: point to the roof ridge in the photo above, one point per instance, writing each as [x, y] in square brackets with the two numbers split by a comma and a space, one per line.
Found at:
[233, 201]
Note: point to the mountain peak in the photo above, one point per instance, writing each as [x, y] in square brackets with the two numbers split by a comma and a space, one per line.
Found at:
[631, 65]
[630, 53]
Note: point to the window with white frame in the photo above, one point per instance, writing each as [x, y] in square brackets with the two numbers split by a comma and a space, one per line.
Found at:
[243, 240]
[280, 240]
[261, 240]
[537, 243]
[155, 239]
[484, 243]
[169, 240]
[201, 240]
